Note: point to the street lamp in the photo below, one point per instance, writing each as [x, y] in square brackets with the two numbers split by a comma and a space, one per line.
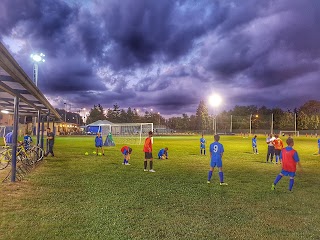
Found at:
[215, 101]
[36, 59]
[256, 116]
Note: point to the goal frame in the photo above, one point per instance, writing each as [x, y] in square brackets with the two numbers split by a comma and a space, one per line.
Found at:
[296, 133]
[119, 129]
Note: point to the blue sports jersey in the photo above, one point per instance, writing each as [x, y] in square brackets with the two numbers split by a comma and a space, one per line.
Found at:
[254, 142]
[27, 140]
[202, 143]
[319, 142]
[161, 152]
[8, 137]
[216, 150]
[98, 141]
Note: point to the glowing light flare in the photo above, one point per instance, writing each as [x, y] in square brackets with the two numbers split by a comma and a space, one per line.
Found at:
[38, 57]
[5, 111]
[215, 100]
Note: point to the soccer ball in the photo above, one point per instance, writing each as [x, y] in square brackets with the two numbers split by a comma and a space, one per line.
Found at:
[100, 154]
[163, 157]
[86, 153]
[94, 152]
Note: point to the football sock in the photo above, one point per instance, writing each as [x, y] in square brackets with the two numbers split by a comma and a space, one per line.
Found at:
[151, 163]
[209, 175]
[201, 151]
[204, 152]
[291, 182]
[145, 164]
[221, 176]
[124, 161]
[277, 179]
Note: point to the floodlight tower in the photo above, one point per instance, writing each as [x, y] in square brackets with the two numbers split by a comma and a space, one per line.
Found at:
[215, 101]
[36, 59]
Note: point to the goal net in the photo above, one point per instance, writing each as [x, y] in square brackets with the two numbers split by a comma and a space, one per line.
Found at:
[127, 133]
[289, 133]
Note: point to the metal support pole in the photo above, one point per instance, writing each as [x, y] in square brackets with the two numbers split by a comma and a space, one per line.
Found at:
[35, 73]
[295, 124]
[38, 128]
[250, 124]
[215, 125]
[272, 123]
[14, 139]
[42, 131]
[231, 124]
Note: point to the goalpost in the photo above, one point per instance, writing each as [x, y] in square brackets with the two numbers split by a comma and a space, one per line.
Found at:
[289, 133]
[127, 133]
[2, 131]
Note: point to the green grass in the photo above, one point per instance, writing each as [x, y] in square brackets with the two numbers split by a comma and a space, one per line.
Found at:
[73, 196]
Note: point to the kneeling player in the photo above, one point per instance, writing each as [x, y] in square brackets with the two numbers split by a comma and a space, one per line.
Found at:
[126, 151]
[163, 153]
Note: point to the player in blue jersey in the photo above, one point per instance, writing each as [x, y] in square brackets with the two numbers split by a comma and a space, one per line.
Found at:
[99, 143]
[126, 151]
[202, 145]
[319, 146]
[216, 152]
[8, 139]
[254, 145]
[27, 140]
[163, 153]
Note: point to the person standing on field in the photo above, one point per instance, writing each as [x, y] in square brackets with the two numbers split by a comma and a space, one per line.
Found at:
[216, 152]
[202, 145]
[50, 142]
[147, 148]
[270, 148]
[278, 145]
[290, 160]
[254, 145]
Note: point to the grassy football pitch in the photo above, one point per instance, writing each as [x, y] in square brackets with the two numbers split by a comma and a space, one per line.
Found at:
[73, 196]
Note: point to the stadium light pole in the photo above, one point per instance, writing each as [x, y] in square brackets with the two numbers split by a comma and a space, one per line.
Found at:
[256, 116]
[215, 101]
[37, 58]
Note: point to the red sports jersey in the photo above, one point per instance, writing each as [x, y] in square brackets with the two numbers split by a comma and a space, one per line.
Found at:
[288, 163]
[277, 143]
[124, 148]
[147, 145]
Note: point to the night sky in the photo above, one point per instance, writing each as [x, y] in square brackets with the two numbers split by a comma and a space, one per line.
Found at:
[168, 55]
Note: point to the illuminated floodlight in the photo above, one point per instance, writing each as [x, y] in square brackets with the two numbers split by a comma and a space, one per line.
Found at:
[38, 57]
[215, 100]
[5, 111]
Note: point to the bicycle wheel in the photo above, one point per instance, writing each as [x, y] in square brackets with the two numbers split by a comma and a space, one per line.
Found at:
[4, 160]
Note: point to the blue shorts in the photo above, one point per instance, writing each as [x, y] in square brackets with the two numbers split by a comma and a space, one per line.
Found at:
[216, 163]
[286, 173]
[202, 146]
[98, 145]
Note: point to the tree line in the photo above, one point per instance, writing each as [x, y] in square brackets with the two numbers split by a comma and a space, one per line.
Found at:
[305, 117]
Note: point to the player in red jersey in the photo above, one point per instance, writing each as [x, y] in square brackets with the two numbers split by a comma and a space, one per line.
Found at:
[290, 159]
[278, 145]
[147, 148]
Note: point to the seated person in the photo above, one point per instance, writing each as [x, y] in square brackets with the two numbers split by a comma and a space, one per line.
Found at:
[163, 153]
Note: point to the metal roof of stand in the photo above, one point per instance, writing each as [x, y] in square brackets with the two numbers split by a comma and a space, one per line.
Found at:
[14, 82]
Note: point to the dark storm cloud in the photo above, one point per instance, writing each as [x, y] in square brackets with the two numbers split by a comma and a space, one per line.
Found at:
[140, 31]
[169, 54]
